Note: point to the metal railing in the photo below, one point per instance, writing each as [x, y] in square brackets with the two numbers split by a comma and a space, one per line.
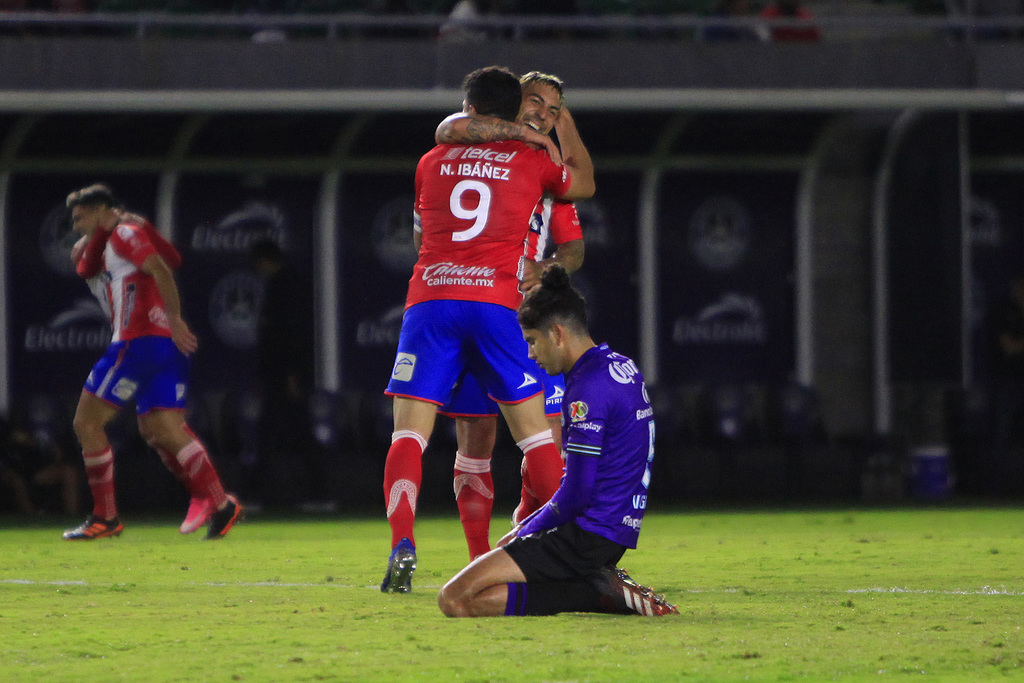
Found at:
[514, 27]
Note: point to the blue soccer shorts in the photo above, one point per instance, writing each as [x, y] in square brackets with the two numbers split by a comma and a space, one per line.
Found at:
[148, 370]
[441, 338]
[471, 400]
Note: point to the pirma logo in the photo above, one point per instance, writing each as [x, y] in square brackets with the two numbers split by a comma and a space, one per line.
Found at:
[578, 411]
[405, 365]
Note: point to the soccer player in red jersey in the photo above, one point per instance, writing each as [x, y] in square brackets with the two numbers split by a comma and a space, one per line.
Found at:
[473, 206]
[129, 267]
[553, 222]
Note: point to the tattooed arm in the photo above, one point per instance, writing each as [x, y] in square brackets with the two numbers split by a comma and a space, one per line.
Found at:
[470, 129]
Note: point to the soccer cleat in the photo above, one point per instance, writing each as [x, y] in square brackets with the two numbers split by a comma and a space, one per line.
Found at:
[401, 565]
[199, 512]
[221, 521]
[623, 595]
[94, 527]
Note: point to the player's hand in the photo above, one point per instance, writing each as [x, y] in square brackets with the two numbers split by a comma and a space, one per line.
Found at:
[182, 337]
[544, 142]
[79, 248]
[532, 271]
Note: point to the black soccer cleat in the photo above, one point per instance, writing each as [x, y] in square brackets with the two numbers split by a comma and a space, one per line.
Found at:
[401, 565]
[622, 595]
[95, 527]
[221, 521]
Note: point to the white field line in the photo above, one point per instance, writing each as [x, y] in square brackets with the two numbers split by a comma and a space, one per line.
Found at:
[984, 590]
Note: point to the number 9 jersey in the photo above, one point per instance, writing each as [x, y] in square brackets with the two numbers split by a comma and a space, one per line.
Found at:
[473, 210]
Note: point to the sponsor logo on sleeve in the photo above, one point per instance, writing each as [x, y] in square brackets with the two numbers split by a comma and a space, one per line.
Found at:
[578, 411]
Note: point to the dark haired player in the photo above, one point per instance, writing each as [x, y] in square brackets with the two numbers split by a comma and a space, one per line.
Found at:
[563, 557]
[473, 208]
[129, 267]
[553, 223]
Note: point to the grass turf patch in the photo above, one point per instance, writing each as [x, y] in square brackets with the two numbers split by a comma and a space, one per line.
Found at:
[764, 595]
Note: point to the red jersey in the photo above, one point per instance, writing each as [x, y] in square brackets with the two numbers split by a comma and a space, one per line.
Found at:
[473, 208]
[133, 302]
[555, 221]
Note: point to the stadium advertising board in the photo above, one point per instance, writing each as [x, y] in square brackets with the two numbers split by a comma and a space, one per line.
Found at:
[725, 276]
[218, 218]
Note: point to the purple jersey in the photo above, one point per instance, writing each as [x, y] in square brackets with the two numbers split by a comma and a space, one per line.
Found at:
[608, 429]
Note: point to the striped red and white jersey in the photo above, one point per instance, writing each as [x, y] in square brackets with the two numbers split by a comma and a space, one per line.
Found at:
[112, 266]
[554, 222]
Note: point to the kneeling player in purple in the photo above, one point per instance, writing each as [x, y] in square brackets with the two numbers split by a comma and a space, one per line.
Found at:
[562, 558]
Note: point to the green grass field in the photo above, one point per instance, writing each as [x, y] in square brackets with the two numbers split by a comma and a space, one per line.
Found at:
[764, 595]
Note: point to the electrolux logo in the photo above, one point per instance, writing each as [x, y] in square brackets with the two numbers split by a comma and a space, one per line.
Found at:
[733, 319]
[255, 222]
[382, 331]
[82, 327]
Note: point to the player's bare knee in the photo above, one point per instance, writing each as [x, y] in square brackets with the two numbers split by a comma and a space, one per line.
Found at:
[450, 605]
[86, 429]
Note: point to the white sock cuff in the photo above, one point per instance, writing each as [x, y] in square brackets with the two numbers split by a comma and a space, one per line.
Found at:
[409, 434]
[472, 465]
[98, 458]
[188, 451]
[538, 439]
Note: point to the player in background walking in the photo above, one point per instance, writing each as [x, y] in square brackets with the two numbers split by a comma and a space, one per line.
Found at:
[129, 267]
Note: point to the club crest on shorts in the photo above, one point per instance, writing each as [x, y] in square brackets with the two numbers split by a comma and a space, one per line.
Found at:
[578, 411]
[405, 365]
[124, 389]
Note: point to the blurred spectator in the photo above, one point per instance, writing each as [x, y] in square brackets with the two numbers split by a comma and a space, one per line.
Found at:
[729, 32]
[284, 368]
[790, 9]
[461, 25]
